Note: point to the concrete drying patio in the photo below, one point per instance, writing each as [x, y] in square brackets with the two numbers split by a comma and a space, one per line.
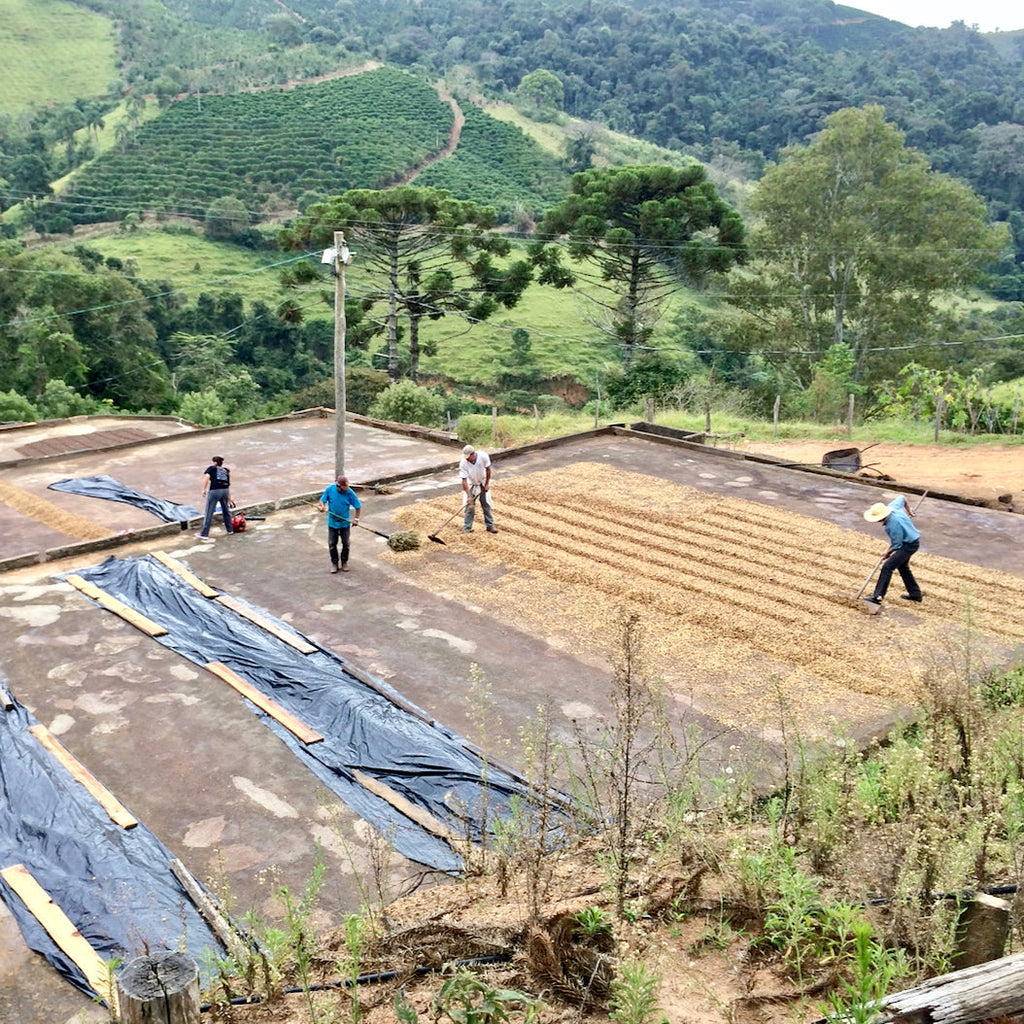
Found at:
[186, 754]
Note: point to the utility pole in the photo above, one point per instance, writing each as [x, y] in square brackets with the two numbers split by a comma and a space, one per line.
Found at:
[341, 257]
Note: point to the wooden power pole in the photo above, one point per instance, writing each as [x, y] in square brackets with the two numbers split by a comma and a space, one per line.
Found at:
[342, 257]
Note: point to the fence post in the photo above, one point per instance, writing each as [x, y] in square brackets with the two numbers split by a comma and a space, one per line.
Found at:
[849, 418]
[775, 416]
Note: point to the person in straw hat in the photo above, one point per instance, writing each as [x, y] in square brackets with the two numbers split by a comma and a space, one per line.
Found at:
[904, 540]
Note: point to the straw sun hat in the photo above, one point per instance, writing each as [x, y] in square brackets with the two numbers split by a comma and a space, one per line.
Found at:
[877, 512]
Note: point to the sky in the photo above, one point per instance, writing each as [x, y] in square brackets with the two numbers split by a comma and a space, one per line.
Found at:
[988, 15]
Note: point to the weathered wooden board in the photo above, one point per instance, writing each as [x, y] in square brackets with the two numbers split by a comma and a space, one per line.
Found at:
[112, 604]
[290, 638]
[294, 725]
[118, 813]
[62, 931]
[189, 577]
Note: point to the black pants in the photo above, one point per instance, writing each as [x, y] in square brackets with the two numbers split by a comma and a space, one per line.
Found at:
[333, 533]
[899, 561]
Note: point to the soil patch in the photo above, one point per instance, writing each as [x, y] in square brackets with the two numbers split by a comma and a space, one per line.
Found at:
[982, 472]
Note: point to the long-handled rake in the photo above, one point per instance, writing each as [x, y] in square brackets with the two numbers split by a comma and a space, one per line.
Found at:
[473, 492]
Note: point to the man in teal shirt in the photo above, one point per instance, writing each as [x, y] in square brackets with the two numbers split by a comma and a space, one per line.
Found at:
[342, 506]
[904, 540]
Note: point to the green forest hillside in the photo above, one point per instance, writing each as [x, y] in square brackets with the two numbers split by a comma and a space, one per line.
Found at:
[211, 127]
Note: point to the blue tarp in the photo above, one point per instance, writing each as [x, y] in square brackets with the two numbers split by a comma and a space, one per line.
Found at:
[113, 490]
[364, 728]
[114, 884]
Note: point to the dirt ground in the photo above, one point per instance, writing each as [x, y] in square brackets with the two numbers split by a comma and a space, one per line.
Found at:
[702, 982]
[983, 472]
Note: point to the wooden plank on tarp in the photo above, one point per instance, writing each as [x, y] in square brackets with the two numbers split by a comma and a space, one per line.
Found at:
[63, 932]
[112, 604]
[459, 843]
[189, 577]
[118, 813]
[293, 640]
[294, 725]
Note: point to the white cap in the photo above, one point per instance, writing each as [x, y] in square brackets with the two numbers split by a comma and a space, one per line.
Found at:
[468, 450]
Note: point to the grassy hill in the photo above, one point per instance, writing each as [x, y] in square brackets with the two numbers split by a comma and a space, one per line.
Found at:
[53, 52]
[192, 265]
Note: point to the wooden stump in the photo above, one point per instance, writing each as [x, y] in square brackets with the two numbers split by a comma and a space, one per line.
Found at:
[162, 988]
[982, 931]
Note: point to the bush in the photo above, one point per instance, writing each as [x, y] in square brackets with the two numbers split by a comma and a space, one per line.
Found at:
[404, 402]
[15, 408]
[203, 407]
[59, 400]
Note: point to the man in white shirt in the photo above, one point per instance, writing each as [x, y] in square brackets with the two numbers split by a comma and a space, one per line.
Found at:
[475, 474]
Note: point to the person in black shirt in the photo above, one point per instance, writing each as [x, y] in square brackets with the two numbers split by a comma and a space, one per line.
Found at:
[216, 491]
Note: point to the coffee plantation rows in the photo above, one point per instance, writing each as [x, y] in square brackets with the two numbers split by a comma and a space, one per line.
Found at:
[265, 148]
[497, 165]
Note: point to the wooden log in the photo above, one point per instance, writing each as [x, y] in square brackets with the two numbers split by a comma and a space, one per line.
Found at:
[206, 906]
[180, 570]
[985, 992]
[162, 988]
[119, 814]
[294, 725]
[300, 644]
[982, 931]
[62, 931]
[112, 604]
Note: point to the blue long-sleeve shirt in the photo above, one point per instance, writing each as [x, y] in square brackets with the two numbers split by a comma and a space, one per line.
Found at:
[898, 524]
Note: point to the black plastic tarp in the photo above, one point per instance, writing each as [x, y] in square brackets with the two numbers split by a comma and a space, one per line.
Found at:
[364, 730]
[114, 884]
[113, 490]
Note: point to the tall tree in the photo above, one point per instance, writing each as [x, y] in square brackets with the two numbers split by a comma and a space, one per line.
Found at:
[858, 237]
[645, 228]
[84, 322]
[424, 254]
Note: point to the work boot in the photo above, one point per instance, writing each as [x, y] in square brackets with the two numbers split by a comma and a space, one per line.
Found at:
[492, 529]
[334, 568]
[911, 597]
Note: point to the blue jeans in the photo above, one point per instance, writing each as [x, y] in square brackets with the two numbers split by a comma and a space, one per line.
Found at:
[213, 499]
[899, 561]
[484, 498]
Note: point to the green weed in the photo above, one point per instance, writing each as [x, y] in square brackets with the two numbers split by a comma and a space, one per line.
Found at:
[635, 996]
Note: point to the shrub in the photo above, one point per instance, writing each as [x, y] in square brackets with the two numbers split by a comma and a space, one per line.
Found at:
[15, 408]
[59, 400]
[404, 402]
[203, 407]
